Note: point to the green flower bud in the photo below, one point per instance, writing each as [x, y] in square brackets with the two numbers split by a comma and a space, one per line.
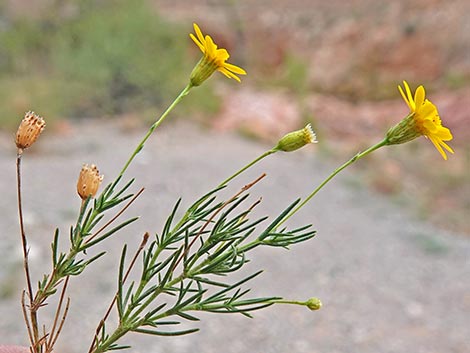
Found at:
[313, 303]
[296, 139]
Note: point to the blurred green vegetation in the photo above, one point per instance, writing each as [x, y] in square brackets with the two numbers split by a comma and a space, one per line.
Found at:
[83, 58]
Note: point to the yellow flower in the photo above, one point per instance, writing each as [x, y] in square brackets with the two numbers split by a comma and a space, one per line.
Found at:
[423, 120]
[213, 59]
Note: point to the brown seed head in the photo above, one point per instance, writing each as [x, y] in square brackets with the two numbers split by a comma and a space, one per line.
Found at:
[29, 130]
[89, 181]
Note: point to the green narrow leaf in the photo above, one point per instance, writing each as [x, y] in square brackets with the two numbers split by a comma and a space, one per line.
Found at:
[238, 284]
[279, 219]
[54, 246]
[169, 220]
[160, 333]
[95, 222]
[128, 294]
[151, 313]
[109, 233]
[186, 316]
[119, 299]
[129, 183]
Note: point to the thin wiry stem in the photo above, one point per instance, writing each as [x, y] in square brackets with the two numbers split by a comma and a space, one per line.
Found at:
[233, 176]
[115, 217]
[332, 175]
[53, 335]
[41, 296]
[184, 275]
[183, 93]
[24, 242]
[61, 325]
[243, 189]
[108, 312]
[26, 319]
[256, 160]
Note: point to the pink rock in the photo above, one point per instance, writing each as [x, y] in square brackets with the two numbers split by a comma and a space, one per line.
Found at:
[266, 115]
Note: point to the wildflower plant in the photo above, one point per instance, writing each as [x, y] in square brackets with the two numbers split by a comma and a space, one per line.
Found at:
[186, 267]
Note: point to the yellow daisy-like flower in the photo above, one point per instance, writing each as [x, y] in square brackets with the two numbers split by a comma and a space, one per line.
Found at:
[213, 59]
[423, 120]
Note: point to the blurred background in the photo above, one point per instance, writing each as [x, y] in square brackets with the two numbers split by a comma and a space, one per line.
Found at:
[334, 63]
[102, 70]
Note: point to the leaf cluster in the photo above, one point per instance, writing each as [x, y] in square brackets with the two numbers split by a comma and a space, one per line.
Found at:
[184, 269]
[83, 236]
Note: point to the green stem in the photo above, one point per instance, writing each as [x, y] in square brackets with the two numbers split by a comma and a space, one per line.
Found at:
[332, 175]
[290, 302]
[183, 93]
[313, 303]
[256, 160]
[226, 181]
[117, 334]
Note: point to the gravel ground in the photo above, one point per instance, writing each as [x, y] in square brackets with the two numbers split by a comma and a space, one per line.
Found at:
[388, 282]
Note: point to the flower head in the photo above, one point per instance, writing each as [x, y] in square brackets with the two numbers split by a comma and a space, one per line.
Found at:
[89, 181]
[213, 59]
[423, 120]
[296, 139]
[29, 130]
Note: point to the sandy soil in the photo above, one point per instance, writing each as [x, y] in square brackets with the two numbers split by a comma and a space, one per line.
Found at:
[389, 283]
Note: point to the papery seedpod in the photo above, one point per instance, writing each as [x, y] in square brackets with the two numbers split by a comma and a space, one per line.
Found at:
[89, 181]
[29, 130]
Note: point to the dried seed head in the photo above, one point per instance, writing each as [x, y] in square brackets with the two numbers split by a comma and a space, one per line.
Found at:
[89, 181]
[29, 130]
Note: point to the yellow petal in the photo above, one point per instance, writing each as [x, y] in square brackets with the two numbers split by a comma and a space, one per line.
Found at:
[199, 33]
[438, 146]
[198, 43]
[210, 47]
[446, 146]
[229, 74]
[410, 96]
[419, 97]
[222, 55]
[404, 98]
[444, 133]
[234, 68]
[430, 127]
[429, 110]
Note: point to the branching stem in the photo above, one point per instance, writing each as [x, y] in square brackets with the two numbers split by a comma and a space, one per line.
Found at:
[108, 312]
[24, 242]
[243, 189]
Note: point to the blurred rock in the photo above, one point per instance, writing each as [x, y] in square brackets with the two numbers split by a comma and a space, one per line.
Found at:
[264, 115]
